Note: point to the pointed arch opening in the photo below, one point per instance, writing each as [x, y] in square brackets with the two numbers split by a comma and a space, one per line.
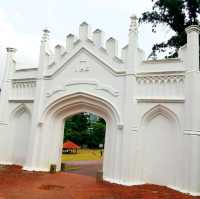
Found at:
[83, 144]
[52, 126]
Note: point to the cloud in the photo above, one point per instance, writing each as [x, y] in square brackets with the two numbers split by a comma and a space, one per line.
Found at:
[28, 44]
[19, 29]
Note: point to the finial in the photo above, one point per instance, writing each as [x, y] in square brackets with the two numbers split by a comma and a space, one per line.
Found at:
[84, 30]
[45, 36]
[134, 25]
[191, 28]
[97, 31]
[98, 38]
[11, 50]
[134, 16]
[112, 47]
[70, 35]
[84, 23]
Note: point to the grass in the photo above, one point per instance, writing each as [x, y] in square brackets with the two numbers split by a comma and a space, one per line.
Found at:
[83, 154]
[71, 168]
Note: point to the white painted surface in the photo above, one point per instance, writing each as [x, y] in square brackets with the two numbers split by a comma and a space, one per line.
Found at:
[151, 108]
[159, 159]
[21, 122]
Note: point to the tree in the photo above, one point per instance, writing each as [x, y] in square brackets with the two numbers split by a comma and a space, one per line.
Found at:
[177, 15]
[85, 129]
[97, 133]
[76, 127]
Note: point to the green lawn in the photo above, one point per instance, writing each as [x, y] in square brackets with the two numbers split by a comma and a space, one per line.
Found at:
[83, 154]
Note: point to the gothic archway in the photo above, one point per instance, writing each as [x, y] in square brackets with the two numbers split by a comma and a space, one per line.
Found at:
[52, 126]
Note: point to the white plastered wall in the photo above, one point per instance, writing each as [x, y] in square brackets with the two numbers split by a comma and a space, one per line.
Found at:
[148, 105]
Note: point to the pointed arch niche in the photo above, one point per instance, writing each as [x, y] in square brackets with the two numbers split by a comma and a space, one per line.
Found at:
[21, 121]
[159, 146]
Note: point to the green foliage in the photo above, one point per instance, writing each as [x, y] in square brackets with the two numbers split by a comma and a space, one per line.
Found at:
[176, 14]
[84, 130]
[97, 134]
[76, 127]
[77, 122]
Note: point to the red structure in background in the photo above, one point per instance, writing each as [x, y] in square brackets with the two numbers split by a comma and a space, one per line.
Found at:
[70, 147]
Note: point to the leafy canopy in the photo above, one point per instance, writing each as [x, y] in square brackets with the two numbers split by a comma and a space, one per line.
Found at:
[177, 15]
[85, 129]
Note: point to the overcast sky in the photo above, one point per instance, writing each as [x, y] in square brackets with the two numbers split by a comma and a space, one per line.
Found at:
[21, 23]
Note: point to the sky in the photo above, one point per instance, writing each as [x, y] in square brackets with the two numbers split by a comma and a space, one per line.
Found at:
[22, 22]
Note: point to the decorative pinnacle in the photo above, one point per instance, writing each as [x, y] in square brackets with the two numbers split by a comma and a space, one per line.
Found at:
[11, 50]
[191, 28]
[70, 35]
[97, 31]
[45, 36]
[134, 24]
[84, 24]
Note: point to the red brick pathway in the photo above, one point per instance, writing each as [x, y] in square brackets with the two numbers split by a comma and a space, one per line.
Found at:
[17, 184]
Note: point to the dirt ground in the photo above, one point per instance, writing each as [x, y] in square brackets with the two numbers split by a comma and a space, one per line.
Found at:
[18, 184]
